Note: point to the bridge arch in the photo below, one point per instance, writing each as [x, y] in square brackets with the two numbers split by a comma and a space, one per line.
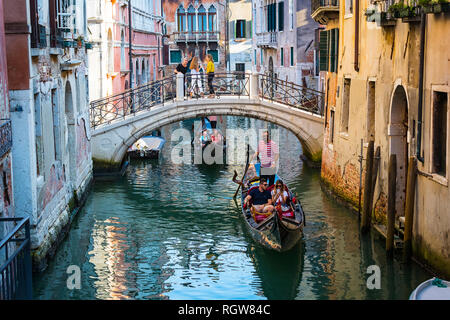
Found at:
[110, 142]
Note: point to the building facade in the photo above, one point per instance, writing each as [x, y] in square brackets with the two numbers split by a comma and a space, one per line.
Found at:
[6, 188]
[284, 45]
[48, 91]
[373, 84]
[108, 21]
[195, 28]
[240, 35]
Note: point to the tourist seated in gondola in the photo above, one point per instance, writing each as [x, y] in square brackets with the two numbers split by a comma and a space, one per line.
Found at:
[280, 196]
[204, 139]
[261, 198]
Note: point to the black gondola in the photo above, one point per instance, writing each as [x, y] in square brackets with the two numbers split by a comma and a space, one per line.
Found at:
[277, 231]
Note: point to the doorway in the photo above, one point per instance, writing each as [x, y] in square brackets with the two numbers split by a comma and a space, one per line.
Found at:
[399, 145]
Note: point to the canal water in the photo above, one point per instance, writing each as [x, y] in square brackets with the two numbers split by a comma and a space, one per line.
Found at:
[173, 231]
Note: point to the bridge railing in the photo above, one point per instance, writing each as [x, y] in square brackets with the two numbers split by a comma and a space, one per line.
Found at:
[235, 84]
[127, 103]
[291, 94]
[173, 88]
[15, 259]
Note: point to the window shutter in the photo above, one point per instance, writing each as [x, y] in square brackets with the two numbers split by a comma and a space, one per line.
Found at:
[332, 49]
[248, 30]
[323, 51]
[231, 31]
[280, 16]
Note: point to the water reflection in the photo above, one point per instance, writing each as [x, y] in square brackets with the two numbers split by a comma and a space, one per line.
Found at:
[168, 231]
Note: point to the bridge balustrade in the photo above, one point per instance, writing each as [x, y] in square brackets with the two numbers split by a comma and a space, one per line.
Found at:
[175, 88]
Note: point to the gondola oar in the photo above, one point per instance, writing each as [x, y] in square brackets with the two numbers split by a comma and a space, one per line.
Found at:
[245, 171]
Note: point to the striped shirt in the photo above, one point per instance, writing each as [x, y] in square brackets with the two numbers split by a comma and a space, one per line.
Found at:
[267, 152]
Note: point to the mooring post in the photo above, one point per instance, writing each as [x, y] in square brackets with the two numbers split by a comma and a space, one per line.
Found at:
[409, 206]
[367, 211]
[392, 177]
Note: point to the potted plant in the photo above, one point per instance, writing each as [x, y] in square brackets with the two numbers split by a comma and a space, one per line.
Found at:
[440, 6]
[396, 8]
[426, 5]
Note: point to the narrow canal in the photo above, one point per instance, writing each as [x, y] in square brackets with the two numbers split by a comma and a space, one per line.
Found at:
[167, 231]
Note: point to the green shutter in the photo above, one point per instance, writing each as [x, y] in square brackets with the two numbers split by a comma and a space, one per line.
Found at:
[231, 31]
[280, 16]
[175, 56]
[332, 49]
[282, 56]
[215, 55]
[323, 51]
[292, 56]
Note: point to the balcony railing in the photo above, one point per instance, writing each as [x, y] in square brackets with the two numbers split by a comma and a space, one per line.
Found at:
[197, 36]
[15, 259]
[5, 137]
[324, 10]
[267, 39]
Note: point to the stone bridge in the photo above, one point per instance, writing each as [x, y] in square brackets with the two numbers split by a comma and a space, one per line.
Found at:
[119, 121]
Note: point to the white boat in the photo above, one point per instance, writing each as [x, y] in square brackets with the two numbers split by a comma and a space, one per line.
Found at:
[146, 147]
[432, 289]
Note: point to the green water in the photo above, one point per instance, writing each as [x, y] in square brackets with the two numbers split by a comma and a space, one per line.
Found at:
[166, 231]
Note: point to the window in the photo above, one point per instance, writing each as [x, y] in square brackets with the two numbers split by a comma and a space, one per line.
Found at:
[110, 56]
[255, 56]
[38, 134]
[122, 51]
[282, 57]
[281, 16]
[191, 19]
[56, 125]
[215, 55]
[328, 50]
[240, 29]
[348, 7]
[439, 133]
[262, 61]
[291, 14]
[240, 67]
[175, 56]
[292, 56]
[212, 18]
[181, 16]
[345, 106]
[331, 126]
[201, 19]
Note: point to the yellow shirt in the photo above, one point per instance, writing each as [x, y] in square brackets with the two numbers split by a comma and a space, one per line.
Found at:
[210, 67]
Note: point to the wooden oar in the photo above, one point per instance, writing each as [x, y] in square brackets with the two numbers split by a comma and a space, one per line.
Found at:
[245, 172]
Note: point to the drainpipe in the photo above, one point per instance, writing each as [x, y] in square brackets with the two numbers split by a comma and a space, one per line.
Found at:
[423, 22]
[356, 61]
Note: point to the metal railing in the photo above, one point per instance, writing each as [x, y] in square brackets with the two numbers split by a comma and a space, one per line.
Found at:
[266, 39]
[15, 259]
[316, 4]
[235, 84]
[291, 94]
[119, 106]
[146, 96]
[5, 136]
[196, 36]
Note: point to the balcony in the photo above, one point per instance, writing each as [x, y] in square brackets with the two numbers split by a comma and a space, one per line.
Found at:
[5, 136]
[196, 37]
[267, 40]
[324, 10]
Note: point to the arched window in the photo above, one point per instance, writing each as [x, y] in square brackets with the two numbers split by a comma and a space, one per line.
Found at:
[191, 19]
[144, 74]
[212, 18]
[110, 52]
[181, 18]
[122, 51]
[201, 19]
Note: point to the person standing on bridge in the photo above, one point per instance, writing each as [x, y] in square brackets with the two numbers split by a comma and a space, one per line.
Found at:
[268, 153]
[210, 73]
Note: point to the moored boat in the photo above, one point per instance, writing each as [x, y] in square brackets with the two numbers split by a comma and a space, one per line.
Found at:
[280, 230]
[147, 147]
[432, 289]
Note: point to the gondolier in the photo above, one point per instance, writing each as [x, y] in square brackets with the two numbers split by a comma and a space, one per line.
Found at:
[268, 153]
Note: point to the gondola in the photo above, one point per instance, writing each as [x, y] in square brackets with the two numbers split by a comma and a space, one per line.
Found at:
[279, 231]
